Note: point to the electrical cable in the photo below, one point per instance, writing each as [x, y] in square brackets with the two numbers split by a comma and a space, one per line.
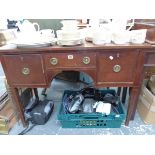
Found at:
[90, 92]
[27, 129]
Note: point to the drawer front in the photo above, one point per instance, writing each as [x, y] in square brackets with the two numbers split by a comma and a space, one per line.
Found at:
[117, 66]
[25, 69]
[70, 60]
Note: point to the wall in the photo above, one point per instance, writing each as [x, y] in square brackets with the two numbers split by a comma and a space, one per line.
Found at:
[48, 23]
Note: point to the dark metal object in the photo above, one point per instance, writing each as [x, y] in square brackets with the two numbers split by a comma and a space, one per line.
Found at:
[124, 94]
[119, 91]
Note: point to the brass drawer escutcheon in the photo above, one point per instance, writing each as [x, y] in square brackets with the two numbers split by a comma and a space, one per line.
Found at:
[54, 61]
[117, 68]
[86, 60]
[26, 71]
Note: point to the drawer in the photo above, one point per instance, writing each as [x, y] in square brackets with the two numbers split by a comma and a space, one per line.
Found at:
[117, 66]
[70, 60]
[24, 69]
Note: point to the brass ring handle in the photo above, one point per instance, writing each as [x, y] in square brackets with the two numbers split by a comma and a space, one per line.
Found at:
[86, 60]
[117, 68]
[54, 61]
[26, 71]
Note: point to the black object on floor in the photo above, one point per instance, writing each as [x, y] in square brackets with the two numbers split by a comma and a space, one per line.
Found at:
[40, 112]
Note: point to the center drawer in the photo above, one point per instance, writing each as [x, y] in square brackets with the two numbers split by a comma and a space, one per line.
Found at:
[70, 60]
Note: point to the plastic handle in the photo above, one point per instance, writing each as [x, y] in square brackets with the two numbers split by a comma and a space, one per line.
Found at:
[90, 117]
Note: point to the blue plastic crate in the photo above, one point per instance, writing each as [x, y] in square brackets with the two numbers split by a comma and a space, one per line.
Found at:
[91, 120]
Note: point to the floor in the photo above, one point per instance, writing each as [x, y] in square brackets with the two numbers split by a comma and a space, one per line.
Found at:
[53, 126]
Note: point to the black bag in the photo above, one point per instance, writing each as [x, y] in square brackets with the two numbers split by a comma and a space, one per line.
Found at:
[40, 112]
